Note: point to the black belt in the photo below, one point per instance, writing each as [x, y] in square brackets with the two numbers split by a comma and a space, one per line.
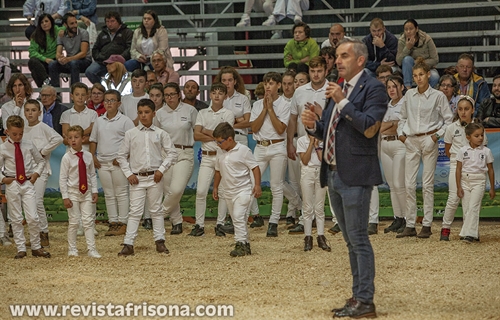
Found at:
[390, 138]
[332, 167]
[145, 174]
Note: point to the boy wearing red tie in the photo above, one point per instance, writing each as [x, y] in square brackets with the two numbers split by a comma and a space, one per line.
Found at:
[78, 185]
[22, 165]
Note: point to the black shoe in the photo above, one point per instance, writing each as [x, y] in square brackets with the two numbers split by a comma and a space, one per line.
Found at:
[147, 224]
[176, 229]
[229, 222]
[395, 225]
[258, 221]
[218, 231]
[299, 229]
[308, 243]
[240, 249]
[372, 228]
[357, 310]
[11, 234]
[272, 230]
[292, 226]
[197, 231]
[403, 226]
[228, 228]
[407, 232]
[322, 243]
[290, 220]
[335, 229]
[467, 239]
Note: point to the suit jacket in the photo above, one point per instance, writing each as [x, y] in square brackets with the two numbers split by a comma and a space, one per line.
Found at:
[356, 135]
[56, 116]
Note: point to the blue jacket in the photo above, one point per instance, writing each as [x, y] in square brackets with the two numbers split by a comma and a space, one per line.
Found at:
[479, 90]
[376, 54]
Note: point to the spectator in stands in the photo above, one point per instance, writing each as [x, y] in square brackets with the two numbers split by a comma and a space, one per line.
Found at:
[148, 38]
[75, 41]
[157, 96]
[150, 79]
[301, 79]
[383, 72]
[84, 9]
[382, 46]
[117, 77]
[328, 53]
[287, 8]
[266, 6]
[470, 83]
[42, 50]
[260, 91]
[301, 49]
[449, 86]
[52, 109]
[191, 91]
[19, 90]
[96, 101]
[489, 110]
[336, 34]
[129, 101]
[33, 9]
[115, 38]
[164, 73]
[412, 44]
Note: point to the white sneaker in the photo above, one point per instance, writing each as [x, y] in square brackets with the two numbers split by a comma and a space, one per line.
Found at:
[93, 254]
[5, 241]
[72, 253]
[277, 35]
[271, 21]
[80, 231]
[297, 19]
[244, 22]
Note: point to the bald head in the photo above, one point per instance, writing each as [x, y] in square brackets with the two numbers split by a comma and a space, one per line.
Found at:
[336, 34]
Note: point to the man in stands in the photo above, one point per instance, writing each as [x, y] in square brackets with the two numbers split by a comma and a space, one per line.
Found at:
[383, 72]
[336, 34]
[52, 109]
[115, 38]
[382, 46]
[470, 83]
[191, 91]
[164, 73]
[489, 110]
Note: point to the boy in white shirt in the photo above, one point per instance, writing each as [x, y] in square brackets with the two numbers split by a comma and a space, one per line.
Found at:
[145, 155]
[232, 171]
[129, 102]
[45, 140]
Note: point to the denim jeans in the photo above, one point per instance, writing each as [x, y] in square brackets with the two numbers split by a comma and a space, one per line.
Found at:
[351, 205]
[407, 65]
[95, 72]
[74, 67]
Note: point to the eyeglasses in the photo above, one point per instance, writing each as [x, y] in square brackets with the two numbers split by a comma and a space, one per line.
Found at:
[168, 96]
[443, 85]
[220, 142]
[110, 101]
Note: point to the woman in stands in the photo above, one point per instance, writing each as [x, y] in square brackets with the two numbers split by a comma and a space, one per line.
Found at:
[157, 96]
[117, 77]
[148, 38]
[412, 44]
[301, 79]
[301, 49]
[32, 9]
[96, 101]
[19, 90]
[164, 73]
[449, 86]
[42, 50]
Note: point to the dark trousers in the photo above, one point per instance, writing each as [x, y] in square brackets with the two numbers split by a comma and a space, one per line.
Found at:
[39, 71]
[74, 68]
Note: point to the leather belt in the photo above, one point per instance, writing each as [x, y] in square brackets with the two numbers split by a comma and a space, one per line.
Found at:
[237, 132]
[209, 153]
[332, 167]
[427, 133]
[180, 146]
[145, 174]
[267, 143]
[390, 138]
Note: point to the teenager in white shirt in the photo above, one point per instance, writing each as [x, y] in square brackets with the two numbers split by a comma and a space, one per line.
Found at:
[129, 102]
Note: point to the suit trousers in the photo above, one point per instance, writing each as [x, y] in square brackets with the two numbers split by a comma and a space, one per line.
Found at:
[473, 186]
[313, 201]
[116, 193]
[81, 210]
[393, 163]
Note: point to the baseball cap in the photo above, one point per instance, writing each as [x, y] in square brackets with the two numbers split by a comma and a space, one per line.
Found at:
[115, 58]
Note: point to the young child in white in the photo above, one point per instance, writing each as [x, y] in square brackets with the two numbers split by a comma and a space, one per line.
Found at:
[145, 155]
[129, 102]
[313, 196]
[473, 161]
[45, 140]
[78, 185]
[22, 165]
[232, 171]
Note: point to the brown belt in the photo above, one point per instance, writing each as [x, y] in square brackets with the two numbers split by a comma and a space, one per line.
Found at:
[332, 167]
[427, 133]
[390, 138]
[209, 153]
[145, 174]
[266, 143]
[180, 146]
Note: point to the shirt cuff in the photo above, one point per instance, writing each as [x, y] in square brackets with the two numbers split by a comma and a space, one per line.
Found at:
[342, 104]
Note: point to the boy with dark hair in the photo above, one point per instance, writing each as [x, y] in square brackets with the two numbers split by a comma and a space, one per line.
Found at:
[129, 102]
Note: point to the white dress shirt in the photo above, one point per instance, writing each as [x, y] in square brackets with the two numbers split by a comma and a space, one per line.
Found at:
[69, 175]
[33, 160]
[109, 135]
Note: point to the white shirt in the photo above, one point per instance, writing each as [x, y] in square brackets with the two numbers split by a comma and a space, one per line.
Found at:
[301, 96]
[239, 106]
[302, 145]
[474, 160]
[69, 176]
[209, 119]
[84, 119]
[45, 140]
[455, 135]
[178, 123]
[142, 148]
[393, 112]
[9, 109]
[33, 160]
[129, 105]
[422, 113]
[109, 135]
[267, 131]
[235, 167]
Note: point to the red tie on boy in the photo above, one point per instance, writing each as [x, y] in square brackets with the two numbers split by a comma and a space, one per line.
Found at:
[82, 173]
[18, 155]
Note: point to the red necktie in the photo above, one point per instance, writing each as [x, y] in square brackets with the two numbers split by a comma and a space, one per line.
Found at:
[18, 155]
[330, 155]
[82, 173]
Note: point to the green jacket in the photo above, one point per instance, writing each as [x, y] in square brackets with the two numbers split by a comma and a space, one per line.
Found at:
[300, 50]
[36, 51]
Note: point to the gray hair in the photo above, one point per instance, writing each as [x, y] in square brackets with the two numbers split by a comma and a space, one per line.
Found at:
[49, 88]
[358, 47]
[167, 57]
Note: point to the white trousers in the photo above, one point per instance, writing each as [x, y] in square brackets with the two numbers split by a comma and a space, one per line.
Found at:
[291, 189]
[266, 6]
[275, 157]
[313, 200]
[40, 185]
[290, 8]
[417, 148]
[81, 211]
[374, 206]
[473, 186]
[22, 197]
[205, 177]
[175, 181]
[148, 189]
[238, 209]
[393, 163]
[116, 194]
[453, 199]
[3, 229]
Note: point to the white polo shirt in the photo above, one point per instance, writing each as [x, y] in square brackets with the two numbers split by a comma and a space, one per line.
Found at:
[239, 105]
[474, 160]
[455, 135]
[393, 112]
[302, 145]
[235, 168]
[209, 119]
[129, 105]
[109, 135]
[303, 95]
[267, 131]
[84, 119]
[178, 123]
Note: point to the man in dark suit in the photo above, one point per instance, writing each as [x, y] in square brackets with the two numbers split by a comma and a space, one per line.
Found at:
[52, 109]
[350, 167]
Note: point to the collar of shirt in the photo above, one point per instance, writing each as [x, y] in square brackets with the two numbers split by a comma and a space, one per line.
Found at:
[73, 151]
[426, 93]
[85, 110]
[352, 83]
[170, 110]
[212, 110]
[141, 127]
[50, 108]
[116, 117]
[235, 94]
[66, 33]
[308, 86]
[476, 148]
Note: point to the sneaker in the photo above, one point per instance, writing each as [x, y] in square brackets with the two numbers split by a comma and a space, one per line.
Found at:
[277, 35]
[227, 229]
[297, 19]
[290, 220]
[372, 228]
[402, 228]
[112, 229]
[335, 229]
[258, 221]
[395, 225]
[72, 253]
[468, 239]
[244, 22]
[5, 241]
[272, 230]
[408, 232]
[147, 224]
[176, 229]
[197, 231]
[44, 239]
[445, 234]
[240, 250]
[271, 21]
[94, 254]
[218, 232]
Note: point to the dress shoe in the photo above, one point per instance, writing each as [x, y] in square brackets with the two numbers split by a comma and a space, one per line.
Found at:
[11, 234]
[44, 239]
[20, 255]
[290, 220]
[348, 302]
[308, 243]
[121, 229]
[258, 221]
[241, 249]
[128, 250]
[227, 228]
[357, 310]
[40, 253]
[395, 225]
[160, 247]
[299, 229]
[425, 233]
[372, 228]
[272, 230]
[445, 234]
[335, 229]
[408, 232]
[197, 231]
[292, 226]
[218, 231]
[176, 229]
[147, 224]
[402, 228]
[112, 229]
[322, 243]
